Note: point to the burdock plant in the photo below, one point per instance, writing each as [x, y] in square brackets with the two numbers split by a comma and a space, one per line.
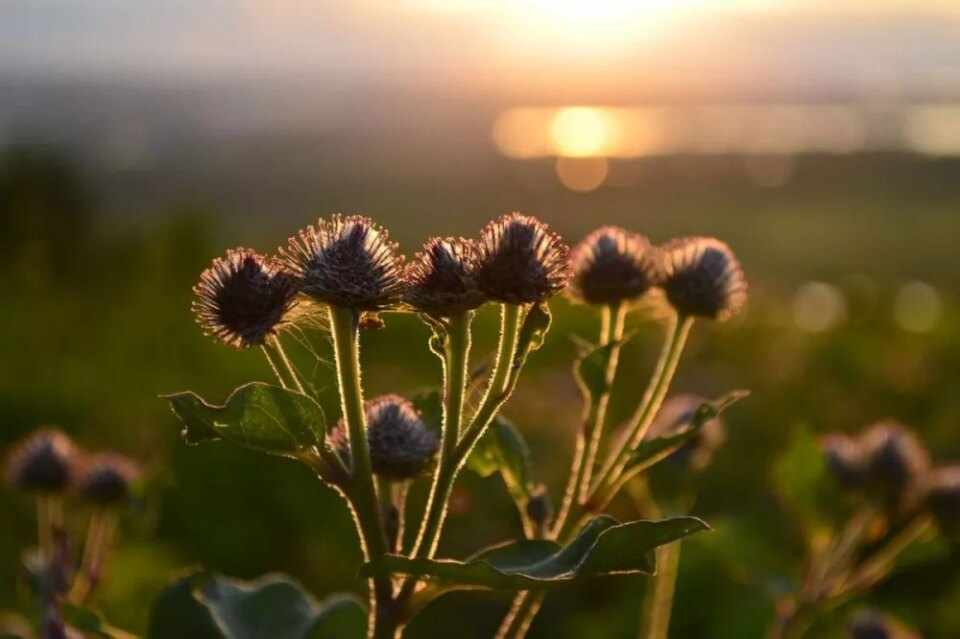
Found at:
[335, 277]
[47, 464]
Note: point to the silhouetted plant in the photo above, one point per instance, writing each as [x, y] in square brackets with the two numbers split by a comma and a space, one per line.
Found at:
[347, 271]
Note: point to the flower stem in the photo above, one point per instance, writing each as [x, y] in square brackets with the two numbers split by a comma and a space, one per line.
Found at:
[521, 615]
[454, 451]
[660, 598]
[595, 411]
[273, 366]
[289, 366]
[361, 491]
[644, 415]
[100, 536]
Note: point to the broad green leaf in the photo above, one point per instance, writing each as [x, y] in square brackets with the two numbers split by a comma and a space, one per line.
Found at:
[206, 606]
[533, 332]
[502, 448]
[656, 449]
[256, 415]
[176, 613]
[603, 547]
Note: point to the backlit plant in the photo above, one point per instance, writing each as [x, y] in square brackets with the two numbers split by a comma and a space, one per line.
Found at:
[339, 276]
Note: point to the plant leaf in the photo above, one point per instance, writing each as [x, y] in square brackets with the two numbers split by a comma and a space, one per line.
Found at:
[214, 607]
[533, 332]
[603, 547]
[590, 370]
[502, 448]
[256, 415]
[656, 449]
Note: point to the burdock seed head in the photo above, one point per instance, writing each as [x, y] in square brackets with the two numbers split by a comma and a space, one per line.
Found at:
[521, 262]
[401, 445]
[347, 261]
[43, 461]
[106, 479]
[702, 278]
[897, 463]
[243, 298]
[943, 498]
[845, 460]
[442, 280]
[612, 265]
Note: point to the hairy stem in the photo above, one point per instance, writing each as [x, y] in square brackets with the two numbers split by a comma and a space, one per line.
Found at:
[660, 598]
[361, 491]
[100, 535]
[452, 459]
[289, 366]
[273, 366]
[647, 410]
[595, 412]
[521, 615]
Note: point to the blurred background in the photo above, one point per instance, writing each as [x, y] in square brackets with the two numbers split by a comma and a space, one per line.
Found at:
[820, 139]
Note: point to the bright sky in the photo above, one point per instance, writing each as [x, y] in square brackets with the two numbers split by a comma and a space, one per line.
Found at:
[522, 45]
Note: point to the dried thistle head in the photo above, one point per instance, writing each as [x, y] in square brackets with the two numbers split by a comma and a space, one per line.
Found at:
[520, 261]
[347, 261]
[678, 413]
[897, 463]
[106, 479]
[943, 499]
[442, 279]
[845, 460]
[243, 298]
[401, 445]
[43, 461]
[702, 278]
[612, 265]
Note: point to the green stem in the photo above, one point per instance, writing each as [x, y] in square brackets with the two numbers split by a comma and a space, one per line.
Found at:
[595, 412]
[880, 563]
[451, 461]
[44, 528]
[361, 491]
[644, 415]
[660, 598]
[521, 615]
[100, 536]
[273, 366]
[289, 366]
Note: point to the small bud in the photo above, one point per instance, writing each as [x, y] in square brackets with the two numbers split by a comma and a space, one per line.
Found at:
[521, 262]
[442, 278]
[703, 278]
[43, 461]
[243, 298]
[677, 414]
[870, 624]
[401, 445]
[540, 507]
[845, 460]
[943, 498]
[347, 262]
[896, 461]
[612, 265]
[106, 479]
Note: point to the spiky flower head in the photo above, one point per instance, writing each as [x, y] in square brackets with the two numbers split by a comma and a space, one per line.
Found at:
[897, 463]
[702, 278]
[612, 265]
[943, 498]
[521, 261]
[243, 298]
[845, 460]
[106, 479]
[870, 624]
[43, 461]
[401, 445]
[676, 415]
[441, 278]
[347, 261]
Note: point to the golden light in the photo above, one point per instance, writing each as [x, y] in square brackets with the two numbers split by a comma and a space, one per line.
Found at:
[582, 174]
[580, 132]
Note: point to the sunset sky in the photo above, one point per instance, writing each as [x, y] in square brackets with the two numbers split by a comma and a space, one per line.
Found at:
[536, 48]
